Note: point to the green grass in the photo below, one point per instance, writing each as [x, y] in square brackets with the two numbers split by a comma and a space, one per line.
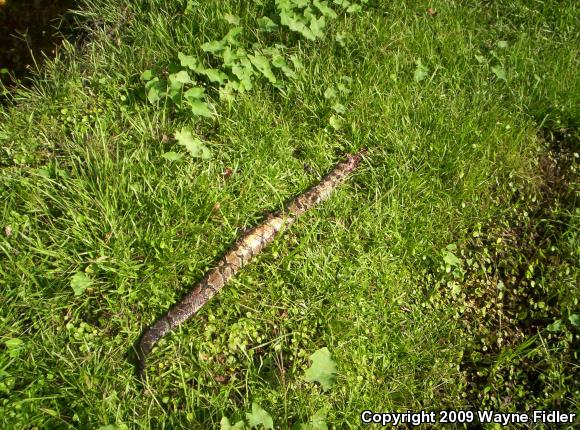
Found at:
[84, 188]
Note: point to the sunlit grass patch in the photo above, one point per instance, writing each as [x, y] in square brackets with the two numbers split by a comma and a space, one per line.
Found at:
[115, 200]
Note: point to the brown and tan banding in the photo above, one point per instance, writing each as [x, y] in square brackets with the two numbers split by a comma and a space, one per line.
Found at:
[247, 247]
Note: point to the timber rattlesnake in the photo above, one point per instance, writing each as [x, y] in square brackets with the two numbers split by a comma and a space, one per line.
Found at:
[247, 247]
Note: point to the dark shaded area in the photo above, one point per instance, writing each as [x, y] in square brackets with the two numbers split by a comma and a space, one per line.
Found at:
[515, 302]
[28, 32]
[539, 235]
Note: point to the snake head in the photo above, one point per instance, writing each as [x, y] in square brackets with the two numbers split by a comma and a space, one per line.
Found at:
[354, 160]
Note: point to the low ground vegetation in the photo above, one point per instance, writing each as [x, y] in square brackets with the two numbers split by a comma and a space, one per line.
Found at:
[443, 275]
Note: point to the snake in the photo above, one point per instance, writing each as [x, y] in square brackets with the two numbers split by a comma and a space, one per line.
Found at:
[240, 254]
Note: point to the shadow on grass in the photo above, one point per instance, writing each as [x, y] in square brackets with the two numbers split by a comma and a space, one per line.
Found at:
[516, 274]
[29, 31]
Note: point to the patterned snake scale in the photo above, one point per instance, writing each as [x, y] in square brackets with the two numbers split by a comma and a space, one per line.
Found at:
[247, 247]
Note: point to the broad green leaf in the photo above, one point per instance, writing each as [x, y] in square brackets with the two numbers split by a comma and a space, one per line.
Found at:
[292, 4]
[14, 345]
[174, 93]
[179, 78]
[114, 427]
[226, 425]
[289, 73]
[450, 259]
[172, 156]
[232, 85]
[230, 57]
[339, 108]
[335, 122]
[215, 75]
[502, 44]
[304, 31]
[308, 14]
[421, 72]
[147, 75]
[245, 85]
[556, 326]
[343, 88]
[279, 62]
[195, 93]
[188, 61]
[259, 417]
[295, 23]
[80, 282]
[199, 107]
[242, 54]
[263, 65]
[45, 173]
[174, 67]
[213, 46]
[354, 8]
[499, 73]
[324, 9]
[193, 145]
[232, 19]
[155, 90]
[575, 319]
[242, 72]
[317, 26]
[322, 370]
[330, 93]
[266, 24]
[230, 37]
[285, 4]
[317, 422]
[247, 64]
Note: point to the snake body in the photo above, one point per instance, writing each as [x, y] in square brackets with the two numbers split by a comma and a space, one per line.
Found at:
[247, 247]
